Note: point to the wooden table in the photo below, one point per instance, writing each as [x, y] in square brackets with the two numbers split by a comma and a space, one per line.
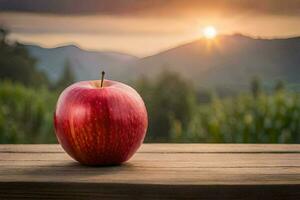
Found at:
[157, 171]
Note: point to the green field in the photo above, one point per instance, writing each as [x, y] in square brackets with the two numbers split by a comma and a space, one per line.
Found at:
[175, 114]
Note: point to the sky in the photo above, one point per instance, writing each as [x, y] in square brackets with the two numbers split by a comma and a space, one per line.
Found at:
[144, 27]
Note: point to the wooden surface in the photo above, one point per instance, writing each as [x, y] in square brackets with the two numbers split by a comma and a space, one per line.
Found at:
[157, 171]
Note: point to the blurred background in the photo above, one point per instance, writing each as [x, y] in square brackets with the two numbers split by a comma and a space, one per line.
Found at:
[209, 71]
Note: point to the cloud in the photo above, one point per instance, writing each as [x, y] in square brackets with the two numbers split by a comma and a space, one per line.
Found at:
[32, 23]
[153, 8]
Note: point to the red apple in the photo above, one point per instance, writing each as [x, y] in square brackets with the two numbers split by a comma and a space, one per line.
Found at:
[100, 124]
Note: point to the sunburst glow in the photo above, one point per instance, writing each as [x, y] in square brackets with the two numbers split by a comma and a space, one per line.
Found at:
[210, 32]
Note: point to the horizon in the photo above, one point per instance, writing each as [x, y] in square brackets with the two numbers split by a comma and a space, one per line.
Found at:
[158, 52]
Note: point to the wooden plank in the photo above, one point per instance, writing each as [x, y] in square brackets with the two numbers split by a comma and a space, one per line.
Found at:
[164, 171]
[168, 148]
[172, 176]
[140, 191]
[31, 148]
[167, 160]
[221, 148]
[127, 191]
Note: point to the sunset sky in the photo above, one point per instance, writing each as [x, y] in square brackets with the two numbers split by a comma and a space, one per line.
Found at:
[144, 27]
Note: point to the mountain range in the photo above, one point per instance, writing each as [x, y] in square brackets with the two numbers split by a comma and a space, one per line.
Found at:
[227, 61]
[86, 65]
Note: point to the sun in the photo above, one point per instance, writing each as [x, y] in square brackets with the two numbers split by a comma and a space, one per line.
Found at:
[210, 32]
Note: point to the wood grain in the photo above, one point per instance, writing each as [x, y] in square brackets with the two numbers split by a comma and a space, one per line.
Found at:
[157, 171]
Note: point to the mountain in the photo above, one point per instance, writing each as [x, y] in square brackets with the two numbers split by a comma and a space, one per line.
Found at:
[229, 61]
[226, 62]
[85, 64]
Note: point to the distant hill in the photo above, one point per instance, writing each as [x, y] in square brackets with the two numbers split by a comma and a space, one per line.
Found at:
[228, 62]
[87, 65]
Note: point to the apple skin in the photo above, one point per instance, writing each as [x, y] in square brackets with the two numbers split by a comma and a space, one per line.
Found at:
[100, 126]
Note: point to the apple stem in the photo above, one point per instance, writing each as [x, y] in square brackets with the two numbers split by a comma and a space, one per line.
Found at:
[102, 78]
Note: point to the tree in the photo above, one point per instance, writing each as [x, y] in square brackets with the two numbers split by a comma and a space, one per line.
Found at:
[17, 65]
[168, 99]
[67, 77]
[255, 86]
[3, 34]
[280, 86]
